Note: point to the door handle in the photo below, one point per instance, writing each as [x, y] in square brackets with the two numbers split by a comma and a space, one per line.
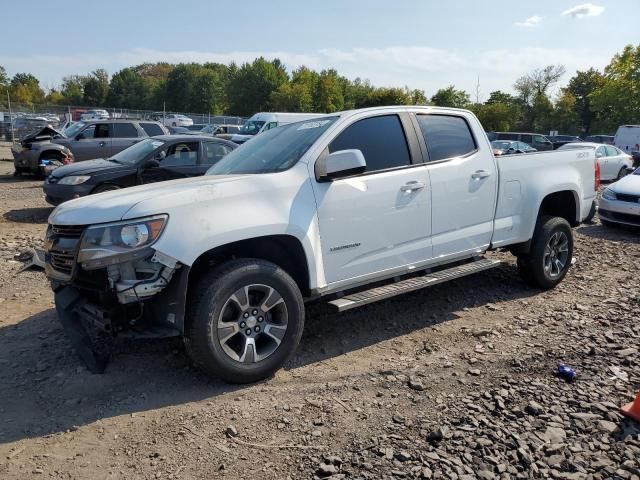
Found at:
[478, 174]
[102, 144]
[412, 186]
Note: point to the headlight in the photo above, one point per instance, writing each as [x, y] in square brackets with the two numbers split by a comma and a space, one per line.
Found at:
[101, 243]
[74, 179]
[609, 194]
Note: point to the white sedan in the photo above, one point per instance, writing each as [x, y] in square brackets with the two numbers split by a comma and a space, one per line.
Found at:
[614, 163]
[95, 114]
[177, 120]
[620, 202]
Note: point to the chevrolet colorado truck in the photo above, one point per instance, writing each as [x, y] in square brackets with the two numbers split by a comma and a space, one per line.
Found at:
[350, 208]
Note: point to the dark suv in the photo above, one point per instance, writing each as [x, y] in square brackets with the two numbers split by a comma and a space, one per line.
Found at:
[82, 140]
[537, 141]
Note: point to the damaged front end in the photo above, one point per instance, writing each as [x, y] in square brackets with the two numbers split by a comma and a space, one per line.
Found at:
[109, 280]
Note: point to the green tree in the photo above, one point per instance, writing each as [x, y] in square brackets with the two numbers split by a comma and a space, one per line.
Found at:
[329, 94]
[55, 97]
[127, 89]
[4, 80]
[450, 97]
[25, 89]
[498, 96]
[617, 100]
[581, 86]
[250, 86]
[565, 114]
[96, 88]
[496, 116]
[73, 89]
[533, 94]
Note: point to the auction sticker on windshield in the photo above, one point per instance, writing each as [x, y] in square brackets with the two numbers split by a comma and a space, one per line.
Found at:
[316, 124]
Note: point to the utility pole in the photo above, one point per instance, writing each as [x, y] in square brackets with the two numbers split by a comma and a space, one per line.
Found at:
[13, 138]
[478, 90]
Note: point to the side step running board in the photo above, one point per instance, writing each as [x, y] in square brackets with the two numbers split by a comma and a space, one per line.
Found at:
[358, 299]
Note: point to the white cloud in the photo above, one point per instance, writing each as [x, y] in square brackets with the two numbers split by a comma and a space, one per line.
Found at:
[421, 67]
[584, 10]
[530, 22]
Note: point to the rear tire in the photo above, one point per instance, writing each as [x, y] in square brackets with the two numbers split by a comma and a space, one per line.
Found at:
[246, 322]
[622, 173]
[551, 253]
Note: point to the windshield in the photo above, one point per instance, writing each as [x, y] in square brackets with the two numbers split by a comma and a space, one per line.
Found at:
[73, 129]
[500, 144]
[135, 153]
[275, 150]
[209, 129]
[251, 127]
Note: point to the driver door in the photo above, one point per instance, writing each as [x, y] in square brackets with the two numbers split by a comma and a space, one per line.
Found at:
[92, 142]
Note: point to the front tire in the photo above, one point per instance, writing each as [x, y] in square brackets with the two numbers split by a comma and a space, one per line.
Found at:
[246, 322]
[551, 253]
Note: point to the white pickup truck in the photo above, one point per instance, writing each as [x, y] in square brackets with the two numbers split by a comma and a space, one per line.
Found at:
[399, 197]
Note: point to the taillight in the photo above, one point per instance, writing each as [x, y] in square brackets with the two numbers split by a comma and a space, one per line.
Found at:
[597, 171]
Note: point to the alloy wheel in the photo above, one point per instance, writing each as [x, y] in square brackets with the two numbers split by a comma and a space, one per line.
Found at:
[556, 254]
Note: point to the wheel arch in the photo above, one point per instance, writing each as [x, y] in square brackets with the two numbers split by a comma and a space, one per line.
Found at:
[49, 151]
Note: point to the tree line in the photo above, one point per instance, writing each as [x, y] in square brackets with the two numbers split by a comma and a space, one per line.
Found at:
[591, 102]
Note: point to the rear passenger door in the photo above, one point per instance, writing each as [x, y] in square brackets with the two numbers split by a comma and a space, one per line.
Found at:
[377, 222]
[463, 186]
[125, 134]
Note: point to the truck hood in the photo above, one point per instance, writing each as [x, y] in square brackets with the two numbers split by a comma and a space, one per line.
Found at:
[143, 200]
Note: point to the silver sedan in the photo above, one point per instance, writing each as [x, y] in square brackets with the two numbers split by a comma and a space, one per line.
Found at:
[620, 201]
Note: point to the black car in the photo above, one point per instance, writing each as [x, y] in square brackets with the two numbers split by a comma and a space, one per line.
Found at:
[510, 147]
[155, 159]
[559, 140]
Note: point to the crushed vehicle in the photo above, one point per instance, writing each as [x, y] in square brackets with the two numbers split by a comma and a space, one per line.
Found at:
[351, 208]
[82, 140]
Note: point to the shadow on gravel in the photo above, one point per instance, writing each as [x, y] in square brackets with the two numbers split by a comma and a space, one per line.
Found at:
[622, 233]
[19, 179]
[29, 215]
[46, 390]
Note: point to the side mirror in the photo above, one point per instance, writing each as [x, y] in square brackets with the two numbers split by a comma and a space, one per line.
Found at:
[80, 136]
[151, 163]
[342, 164]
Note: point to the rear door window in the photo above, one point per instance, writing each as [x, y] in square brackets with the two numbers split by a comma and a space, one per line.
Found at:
[380, 139]
[124, 130]
[183, 154]
[103, 130]
[213, 151]
[152, 129]
[446, 136]
[612, 151]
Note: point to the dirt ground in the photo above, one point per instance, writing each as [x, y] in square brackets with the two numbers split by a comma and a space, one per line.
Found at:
[457, 381]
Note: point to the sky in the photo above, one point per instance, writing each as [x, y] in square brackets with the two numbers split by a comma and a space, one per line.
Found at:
[425, 44]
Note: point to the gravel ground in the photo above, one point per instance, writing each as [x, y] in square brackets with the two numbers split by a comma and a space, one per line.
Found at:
[455, 382]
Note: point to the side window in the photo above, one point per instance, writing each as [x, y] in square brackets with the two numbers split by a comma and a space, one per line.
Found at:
[539, 139]
[507, 136]
[380, 139]
[88, 132]
[181, 155]
[124, 130]
[601, 152]
[103, 130]
[152, 129]
[213, 151]
[611, 151]
[270, 125]
[446, 136]
[526, 139]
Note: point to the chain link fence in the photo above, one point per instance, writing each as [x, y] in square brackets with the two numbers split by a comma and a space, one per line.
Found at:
[22, 120]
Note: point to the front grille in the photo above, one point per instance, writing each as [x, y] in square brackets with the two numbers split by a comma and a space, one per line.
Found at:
[68, 231]
[62, 262]
[624, 197]
[62, 246]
